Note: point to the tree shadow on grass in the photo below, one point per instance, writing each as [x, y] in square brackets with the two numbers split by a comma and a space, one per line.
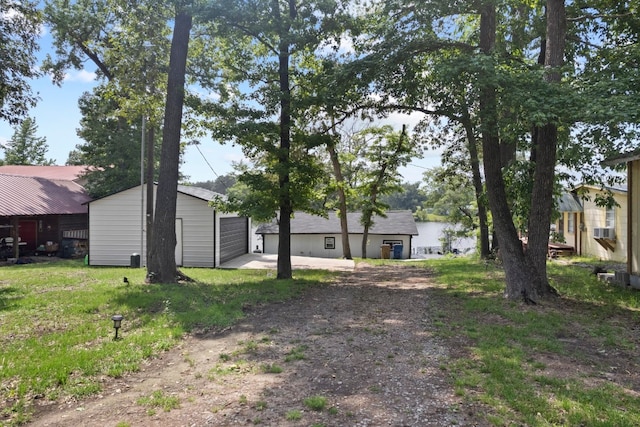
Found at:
[8, 297]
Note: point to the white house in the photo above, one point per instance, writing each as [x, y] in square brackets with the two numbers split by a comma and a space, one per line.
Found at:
[315, 236]
[205, 237]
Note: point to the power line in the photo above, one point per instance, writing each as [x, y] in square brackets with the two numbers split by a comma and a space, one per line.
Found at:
[418, 166]
[205, 159]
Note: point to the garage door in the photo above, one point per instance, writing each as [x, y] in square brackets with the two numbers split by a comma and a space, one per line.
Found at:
[234, 238]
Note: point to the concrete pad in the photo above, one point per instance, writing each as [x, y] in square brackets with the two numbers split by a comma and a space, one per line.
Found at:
[269, 261]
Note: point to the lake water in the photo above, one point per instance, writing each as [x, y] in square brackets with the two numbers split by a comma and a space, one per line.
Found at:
[429, 235]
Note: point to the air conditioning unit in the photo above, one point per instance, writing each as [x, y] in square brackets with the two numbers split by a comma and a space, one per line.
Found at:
[604, 233]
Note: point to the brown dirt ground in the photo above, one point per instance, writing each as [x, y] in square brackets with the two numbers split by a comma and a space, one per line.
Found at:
[367, 345]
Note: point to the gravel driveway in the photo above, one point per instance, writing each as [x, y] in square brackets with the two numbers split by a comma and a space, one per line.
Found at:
[365, 344]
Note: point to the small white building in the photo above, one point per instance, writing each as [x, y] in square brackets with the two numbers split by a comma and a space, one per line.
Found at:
[315, 236]
[205, 237]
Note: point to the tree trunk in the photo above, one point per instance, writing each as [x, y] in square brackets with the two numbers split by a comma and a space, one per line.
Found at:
[365, 237]
[342, 200]
[367, 213]
[162, 262]
[546, 146]
[518, 271]
[472, 146]
[151, 136]
[286, 208]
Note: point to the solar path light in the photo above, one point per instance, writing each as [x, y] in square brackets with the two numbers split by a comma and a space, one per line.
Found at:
[117, 322]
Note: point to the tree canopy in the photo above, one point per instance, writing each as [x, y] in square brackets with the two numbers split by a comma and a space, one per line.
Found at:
[511, 92]
[25, 147]
[20, 23]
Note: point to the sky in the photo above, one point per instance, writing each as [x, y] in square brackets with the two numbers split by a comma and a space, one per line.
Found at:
[58, 117]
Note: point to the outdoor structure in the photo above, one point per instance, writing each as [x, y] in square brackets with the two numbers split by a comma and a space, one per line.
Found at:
[315, 236]
[43, 207]
[632, 235]
[592, 230]
[205, 237]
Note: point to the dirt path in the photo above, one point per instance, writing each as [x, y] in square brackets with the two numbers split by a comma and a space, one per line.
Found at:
[363, 343]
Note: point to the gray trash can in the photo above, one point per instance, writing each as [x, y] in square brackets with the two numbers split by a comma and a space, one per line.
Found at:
[135, 260]
[397, 251]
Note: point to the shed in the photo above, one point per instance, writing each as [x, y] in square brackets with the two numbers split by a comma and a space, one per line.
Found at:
[205, 237]
[316, 236]
[41, 211]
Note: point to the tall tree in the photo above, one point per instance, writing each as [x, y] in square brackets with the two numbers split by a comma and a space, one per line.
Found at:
[128, 43]
[437, 78]
[341, 190]
[221, 184]
[25, 147]
[489, 51]
[19, 31]
[386, 151]
[544, 158]
[265, 45]
[450, 195]
[409, 197]
[110, 145]
[162, 261]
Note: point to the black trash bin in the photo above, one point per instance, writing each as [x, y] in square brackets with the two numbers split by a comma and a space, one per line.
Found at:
[135, 261]
[67, 249]
[397, 251]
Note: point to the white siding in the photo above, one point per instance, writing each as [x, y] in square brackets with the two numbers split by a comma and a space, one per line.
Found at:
[114, 228]
[634, 221]
[595, 216]
[312, 245]
[197, 231]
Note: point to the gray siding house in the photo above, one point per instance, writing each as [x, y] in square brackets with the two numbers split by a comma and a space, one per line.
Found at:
[315, 236]
[205, 237]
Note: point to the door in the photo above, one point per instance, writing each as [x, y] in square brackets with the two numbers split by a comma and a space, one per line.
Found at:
[28, 232]
[234, 238]
[179, 242]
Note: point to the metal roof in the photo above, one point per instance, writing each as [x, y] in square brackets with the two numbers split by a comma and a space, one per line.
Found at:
[569, 202]
[68, 173]
[396, 222]
[198, 192]
[27, 196]
[622, 158]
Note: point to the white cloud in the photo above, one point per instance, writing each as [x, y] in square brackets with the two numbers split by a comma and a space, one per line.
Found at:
[82, 76]
[343, 46]
[398, 119]
[234, 157]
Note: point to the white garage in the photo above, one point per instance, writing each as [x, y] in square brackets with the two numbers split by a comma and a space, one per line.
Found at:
[205, 237]
[315, 236]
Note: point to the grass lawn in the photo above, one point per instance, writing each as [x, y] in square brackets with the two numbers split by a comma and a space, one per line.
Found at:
[566, 362]
[572, 361]
[57, 336]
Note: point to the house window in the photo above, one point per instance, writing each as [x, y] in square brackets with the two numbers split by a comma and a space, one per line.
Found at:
[560, 229]
[329, 242]
[571, 223]
[392, 242]
[610, 218]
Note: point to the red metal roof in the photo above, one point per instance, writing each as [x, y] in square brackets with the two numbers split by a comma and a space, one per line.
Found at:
[26, 196]
[68, 173]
